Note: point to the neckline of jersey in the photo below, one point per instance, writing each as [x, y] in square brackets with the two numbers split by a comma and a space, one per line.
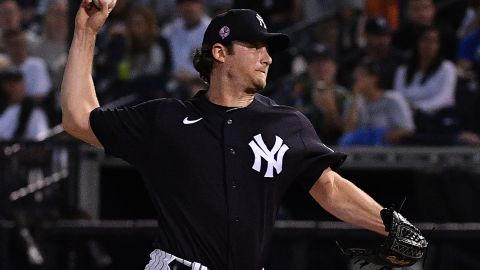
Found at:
[201, 95]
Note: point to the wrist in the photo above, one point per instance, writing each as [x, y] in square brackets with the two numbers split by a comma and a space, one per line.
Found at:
[85, 31]
[84, 37]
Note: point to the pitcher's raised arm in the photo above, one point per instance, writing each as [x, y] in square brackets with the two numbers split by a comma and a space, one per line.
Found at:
[78, 96]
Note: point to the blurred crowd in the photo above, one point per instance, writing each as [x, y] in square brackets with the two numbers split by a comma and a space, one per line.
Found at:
[365, 72]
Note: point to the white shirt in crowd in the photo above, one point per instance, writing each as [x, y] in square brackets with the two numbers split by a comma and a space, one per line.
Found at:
[390, 111]
[436, 93]
[36, 77]
[37, 125]
[183, 43]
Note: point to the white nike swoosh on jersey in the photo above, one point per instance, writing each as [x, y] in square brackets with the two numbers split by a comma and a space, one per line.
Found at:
[189, 122]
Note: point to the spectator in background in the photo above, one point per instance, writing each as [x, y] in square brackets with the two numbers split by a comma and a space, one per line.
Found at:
[325, 98]
[450, 14]
[470, 21]
[19, 117]
[52, 45]
[10, 15]
[339, 30]
[378, 49]
[30, 14]
[117, 19]
[327, 32]
[349, 16]
[375, 116]
[184, 35]
[164, 9]
[34, 70]
[467, 96]
[468, 56]
[52, 48]
[316, 93]
[282, 14]
[110, 47]
[11, 19]
[428, 80]
[136, 54]
[389, 9]
[421, 14]
[147, 52]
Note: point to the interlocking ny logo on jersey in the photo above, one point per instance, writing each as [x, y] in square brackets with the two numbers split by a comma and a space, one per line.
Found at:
[260, 151]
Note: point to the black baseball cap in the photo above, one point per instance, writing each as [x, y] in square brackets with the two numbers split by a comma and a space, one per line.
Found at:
[371, 66]
[319, 51]
[377, 26]
[242, 25]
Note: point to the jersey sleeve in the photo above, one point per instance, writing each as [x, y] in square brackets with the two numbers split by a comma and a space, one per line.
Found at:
[125, 132]
[317, 156]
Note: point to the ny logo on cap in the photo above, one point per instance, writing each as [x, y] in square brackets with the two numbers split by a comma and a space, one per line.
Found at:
[260, 20]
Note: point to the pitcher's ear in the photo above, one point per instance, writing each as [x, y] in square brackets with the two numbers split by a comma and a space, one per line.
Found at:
[219, 51]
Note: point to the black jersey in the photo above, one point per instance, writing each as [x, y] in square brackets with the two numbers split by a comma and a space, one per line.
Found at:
[216, 175]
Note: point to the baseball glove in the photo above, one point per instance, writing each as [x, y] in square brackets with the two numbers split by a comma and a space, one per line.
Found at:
[404, 245]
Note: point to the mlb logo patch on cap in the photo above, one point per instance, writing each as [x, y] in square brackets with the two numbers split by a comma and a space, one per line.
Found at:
[224, 32]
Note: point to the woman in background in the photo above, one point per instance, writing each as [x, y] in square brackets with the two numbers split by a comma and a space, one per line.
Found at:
[428, 80]
[137, 55]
